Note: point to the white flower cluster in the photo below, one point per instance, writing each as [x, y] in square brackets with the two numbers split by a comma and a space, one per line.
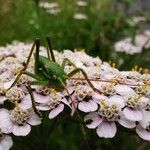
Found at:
[121, 97]
[50, 7]
[80, 15]
[141, 41]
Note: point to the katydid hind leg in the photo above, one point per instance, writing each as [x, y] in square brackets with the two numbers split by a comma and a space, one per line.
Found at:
[85, 76]
[76, 70]
[36, 65]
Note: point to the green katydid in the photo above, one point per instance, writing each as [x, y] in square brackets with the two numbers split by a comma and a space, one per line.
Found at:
[47, 72]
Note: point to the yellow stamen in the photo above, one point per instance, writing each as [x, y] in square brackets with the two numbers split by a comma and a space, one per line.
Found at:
[140, 70]
[135, 68]
[114, 65]
[16, 103]
[146, 71]
[52, 91]
[103, 103]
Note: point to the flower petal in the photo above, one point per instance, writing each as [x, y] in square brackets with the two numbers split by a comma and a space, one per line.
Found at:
[2, 99]
[132, 115]
[21, 130]
[34, 119]
[65, 102]
[40, 98]
[26, 102]
[106, 130]
[43, 107]
[94, 117]
[54, 112]
[89, 106]
[143, 133]
[146, 119]
[97, 97]
[117, 100]
[5, 121]
[6, 142]
[126, 123]
[124, 90]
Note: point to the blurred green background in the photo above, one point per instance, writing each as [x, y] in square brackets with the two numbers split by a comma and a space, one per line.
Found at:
[104, 23]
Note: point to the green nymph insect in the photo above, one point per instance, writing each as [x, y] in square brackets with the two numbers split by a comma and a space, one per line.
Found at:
[47, 72]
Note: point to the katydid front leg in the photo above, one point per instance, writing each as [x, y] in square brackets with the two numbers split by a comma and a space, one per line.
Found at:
[36, 43]
[33, 100]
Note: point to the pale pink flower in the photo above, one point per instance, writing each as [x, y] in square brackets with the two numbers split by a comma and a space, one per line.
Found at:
[55, 103]
[143, 128]
[135, 104]
[83, 98]
[17, 94]
[18, 121]
[108, 113]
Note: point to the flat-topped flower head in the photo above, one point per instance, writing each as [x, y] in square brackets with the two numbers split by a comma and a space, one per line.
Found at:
[83, 97]
[95, 73]
[142, 90]
[23, 81]
[107, 89]
[15, 94]
[19, 116]
[104, 119]
[110, 113]
[53, 102]
[135, 103]
[18, 121]
[6, 76]
[43, 90]
[83, 92]
[78, 82]
[9, 61]
[16, 68]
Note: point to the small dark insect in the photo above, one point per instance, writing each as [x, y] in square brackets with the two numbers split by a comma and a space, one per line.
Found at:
[47, 72]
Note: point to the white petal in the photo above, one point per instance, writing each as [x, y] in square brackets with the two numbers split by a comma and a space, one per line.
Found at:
[26, 102]
[89, 106]
[106, 130]
[97, 97]
[21, 130]
[143, 133]
[145, 122]
[43, 107]
[5, 121]
[133, 115]
[54, 112]
[126, 123]
[124, 90]
[117, 100]
[8, 84]
[65, 102]
[144, 101]
[94, 117]
[6, 142]
[40, 98]
[34, 119]
[2, 99]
